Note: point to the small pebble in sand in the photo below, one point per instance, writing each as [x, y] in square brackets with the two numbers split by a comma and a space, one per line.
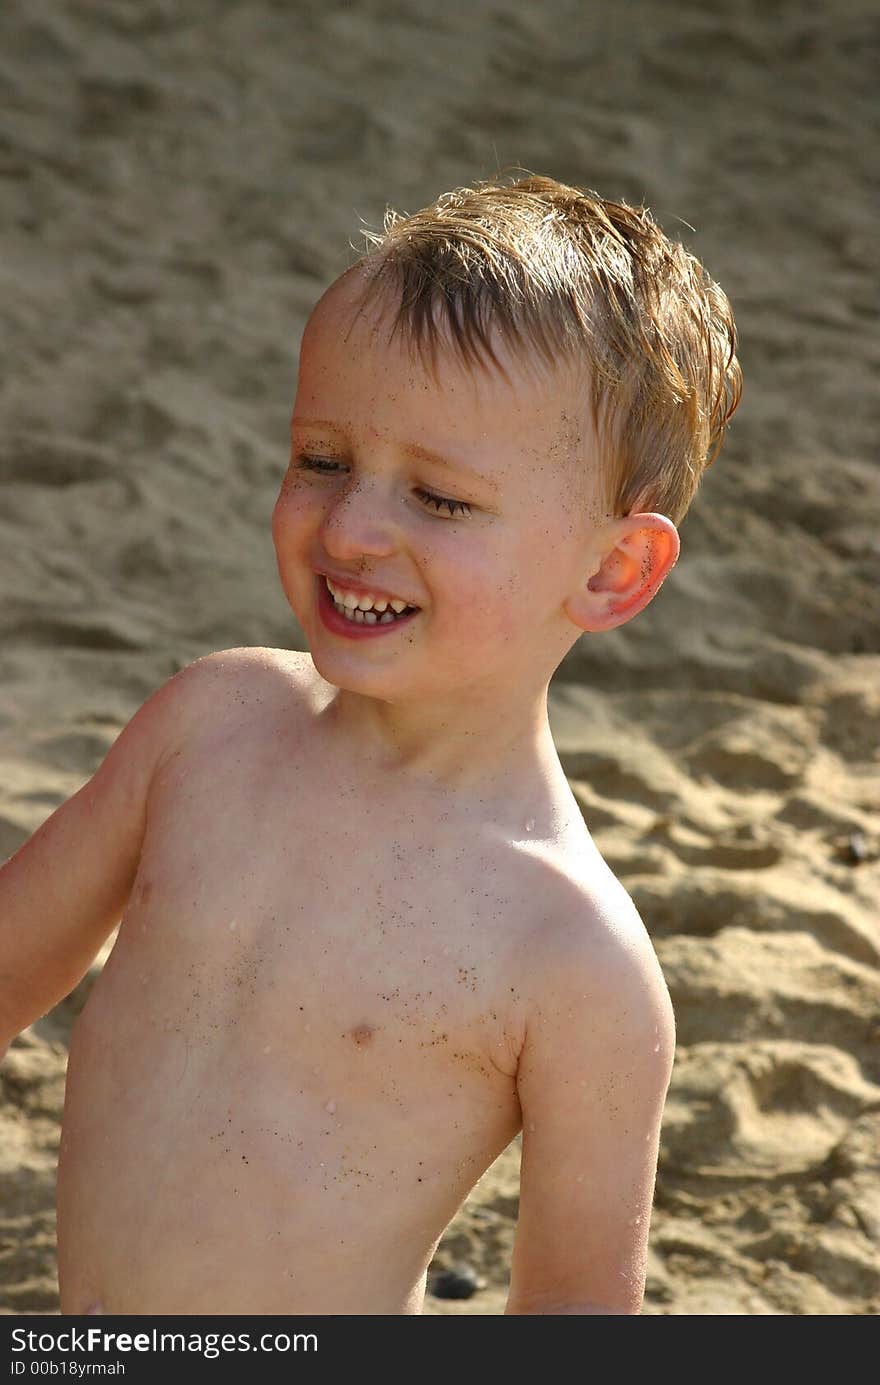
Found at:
[460, 1282]
[856, 849]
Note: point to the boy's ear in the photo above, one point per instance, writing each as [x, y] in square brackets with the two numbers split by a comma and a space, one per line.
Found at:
[639, 552]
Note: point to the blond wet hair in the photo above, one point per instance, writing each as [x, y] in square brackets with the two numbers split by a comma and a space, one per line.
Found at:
[579, 280]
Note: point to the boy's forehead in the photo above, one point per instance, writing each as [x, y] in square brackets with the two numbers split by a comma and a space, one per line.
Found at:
[347, 338]
[355, 309]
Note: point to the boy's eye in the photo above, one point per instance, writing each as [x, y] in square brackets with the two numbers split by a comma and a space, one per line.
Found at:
[327, 465]
[455, 507]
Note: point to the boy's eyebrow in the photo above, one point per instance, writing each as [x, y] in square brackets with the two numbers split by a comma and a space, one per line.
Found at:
[451, 464]
[413, 449]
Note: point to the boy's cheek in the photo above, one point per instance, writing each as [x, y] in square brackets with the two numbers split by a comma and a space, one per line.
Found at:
[288, 484]
[278, 518]
[490, 619]
[286, 536]
[287, 513]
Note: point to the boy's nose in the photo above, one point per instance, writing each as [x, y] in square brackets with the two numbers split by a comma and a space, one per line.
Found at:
[360, 520]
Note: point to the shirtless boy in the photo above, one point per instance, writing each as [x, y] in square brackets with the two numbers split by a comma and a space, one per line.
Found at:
[366, 936]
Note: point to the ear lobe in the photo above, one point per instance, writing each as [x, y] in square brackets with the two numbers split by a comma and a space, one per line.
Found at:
[644, 549]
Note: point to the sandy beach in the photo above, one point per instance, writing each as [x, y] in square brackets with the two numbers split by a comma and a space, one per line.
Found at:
[178, 182]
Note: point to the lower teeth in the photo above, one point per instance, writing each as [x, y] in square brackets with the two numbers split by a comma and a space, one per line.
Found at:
[360, 617]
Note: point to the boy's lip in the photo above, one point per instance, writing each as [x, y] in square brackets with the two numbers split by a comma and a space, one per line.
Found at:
[365, 589]
[339, 624]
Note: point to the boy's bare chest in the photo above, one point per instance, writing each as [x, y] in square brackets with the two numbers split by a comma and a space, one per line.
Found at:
[327, 922]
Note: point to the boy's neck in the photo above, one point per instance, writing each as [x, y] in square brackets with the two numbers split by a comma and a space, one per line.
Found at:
[470, 749]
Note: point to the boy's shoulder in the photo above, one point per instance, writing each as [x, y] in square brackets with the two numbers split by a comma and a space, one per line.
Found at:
[241, 687]
[209, 685]
[228, 666]
[589, 946]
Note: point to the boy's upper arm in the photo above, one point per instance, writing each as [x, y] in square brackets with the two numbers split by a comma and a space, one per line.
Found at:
[66, 887]
[592, 1082]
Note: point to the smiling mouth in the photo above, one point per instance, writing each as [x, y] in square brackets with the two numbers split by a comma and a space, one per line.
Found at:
[379, 612]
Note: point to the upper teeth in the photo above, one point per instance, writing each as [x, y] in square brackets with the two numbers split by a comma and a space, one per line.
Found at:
[356, 602]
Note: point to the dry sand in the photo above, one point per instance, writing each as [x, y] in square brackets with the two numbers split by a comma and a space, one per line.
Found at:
[177, 183]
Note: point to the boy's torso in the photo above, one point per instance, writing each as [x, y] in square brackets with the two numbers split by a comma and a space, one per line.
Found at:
[302, 1051]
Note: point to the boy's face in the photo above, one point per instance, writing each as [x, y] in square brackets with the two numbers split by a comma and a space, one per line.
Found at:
[377, 440]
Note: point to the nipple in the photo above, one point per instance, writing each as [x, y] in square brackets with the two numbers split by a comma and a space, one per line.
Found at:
[362, 1034]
